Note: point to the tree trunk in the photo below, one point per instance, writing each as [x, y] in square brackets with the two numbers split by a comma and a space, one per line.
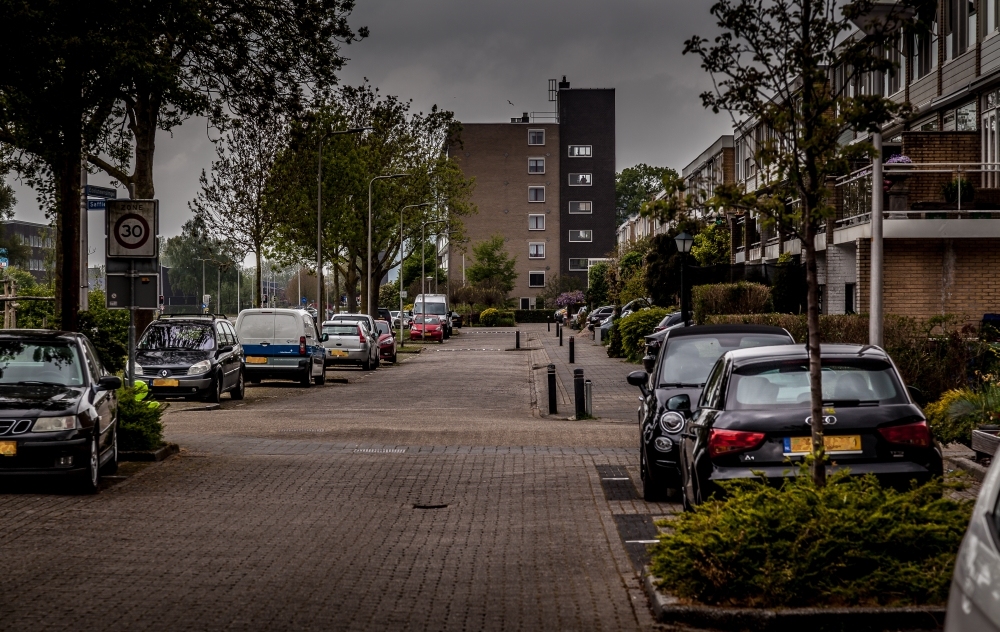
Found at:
[815, 366]
[352, 287]
[147, 111]
[336, 282]
[67, 289]
[257, 295]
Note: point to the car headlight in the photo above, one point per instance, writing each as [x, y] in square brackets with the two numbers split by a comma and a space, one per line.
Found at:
[671, 421]
[138, 369]
[200, 367]
[54, 424]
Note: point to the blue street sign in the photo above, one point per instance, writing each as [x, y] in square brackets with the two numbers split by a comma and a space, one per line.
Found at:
[4, 262]
[95, 205]
[102, 192]
[303, 300]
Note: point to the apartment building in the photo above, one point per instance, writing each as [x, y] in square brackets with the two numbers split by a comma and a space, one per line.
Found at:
[40, 238]
[546, 182]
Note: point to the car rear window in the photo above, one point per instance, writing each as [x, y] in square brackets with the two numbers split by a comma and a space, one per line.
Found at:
[689, 359]
[257, 326]
[432, 308]
[345, 329]
[785, 384]
[287, 326]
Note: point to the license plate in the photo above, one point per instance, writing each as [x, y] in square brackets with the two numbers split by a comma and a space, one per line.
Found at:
[338, 353]
[253, 360]
[165, 382]
[8, 448]
[832, 443]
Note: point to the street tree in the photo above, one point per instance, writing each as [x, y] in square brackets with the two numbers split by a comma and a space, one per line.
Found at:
[232, 203]
[636, 185]
[493, 268]
[788, 65]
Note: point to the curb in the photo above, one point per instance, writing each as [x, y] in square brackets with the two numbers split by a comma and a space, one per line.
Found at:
[150, 455]
[668, 609]
[973, 469]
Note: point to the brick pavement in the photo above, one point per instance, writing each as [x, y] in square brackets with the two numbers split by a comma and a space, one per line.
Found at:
[296, 509]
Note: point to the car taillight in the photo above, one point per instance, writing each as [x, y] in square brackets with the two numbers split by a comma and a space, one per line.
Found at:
[722, 442]
[917, 434]
[361, 335]
[302, 345]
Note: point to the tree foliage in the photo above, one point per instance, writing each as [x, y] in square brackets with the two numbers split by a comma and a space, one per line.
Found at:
[635, 186]
[493, 266]
[712, 245]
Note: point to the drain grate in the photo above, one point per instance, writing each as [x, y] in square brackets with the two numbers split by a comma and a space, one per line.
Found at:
[441, 506]
[616, 483]
[379, 450]
[637, 531]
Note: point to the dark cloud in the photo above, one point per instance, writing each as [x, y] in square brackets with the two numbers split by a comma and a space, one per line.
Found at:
[474, 57]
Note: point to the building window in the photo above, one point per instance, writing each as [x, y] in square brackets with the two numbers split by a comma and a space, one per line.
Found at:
[581, 151]
[536, 165]
[536, 250]
[578, 265]
[926, 125]
[536, 194]
[895, 78]
[536, 279]
[925, 51]
[581, 207]
[960, 22]
[536, 137]
[581, 235]
[991, 17]
[581, 179]
[536, 222]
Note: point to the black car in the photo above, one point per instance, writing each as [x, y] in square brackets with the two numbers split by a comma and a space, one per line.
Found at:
[654, 340]
[456, 320]
[384, 314]
[58, 407]
[754, 420]
[595, 317]
[191, 356]
[673, 383]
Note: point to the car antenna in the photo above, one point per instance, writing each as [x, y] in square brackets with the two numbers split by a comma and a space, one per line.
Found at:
[862, 350]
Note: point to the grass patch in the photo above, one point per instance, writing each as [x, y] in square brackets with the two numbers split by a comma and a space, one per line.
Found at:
[850, 543]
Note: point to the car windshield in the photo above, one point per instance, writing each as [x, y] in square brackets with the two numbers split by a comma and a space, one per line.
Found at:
[432, 308]
[689, 359]
[30, 362]
[431, 320]
[338, 329]
[178, 336]
[785, 384]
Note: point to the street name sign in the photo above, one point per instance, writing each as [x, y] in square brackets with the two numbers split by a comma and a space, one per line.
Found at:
[131, 228]
[101, 192]
[95, 205]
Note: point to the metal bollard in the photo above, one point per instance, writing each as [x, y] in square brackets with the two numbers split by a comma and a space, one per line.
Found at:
[588, 396]
[572, 350]
[517, 339]
[597, 333]
[557, 327]
[578, 394]
[548, 325]
[552, 389]
[560, 335]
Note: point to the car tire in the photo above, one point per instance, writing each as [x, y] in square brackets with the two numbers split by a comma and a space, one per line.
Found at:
[111, 467]
[367, 364]
[320, 379]
[393, 358]
[652, 492]
[306, 379]
[90, 482]
[214, 394]
[240, 389]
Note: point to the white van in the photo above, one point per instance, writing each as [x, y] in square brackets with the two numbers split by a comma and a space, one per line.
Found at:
[283, 344]
[434, 305]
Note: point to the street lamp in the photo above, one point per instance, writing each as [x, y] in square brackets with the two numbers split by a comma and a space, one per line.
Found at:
[401, 265]
[368, 304]
[423, 274]
[684, 242]
[203, 278]
[319, 212]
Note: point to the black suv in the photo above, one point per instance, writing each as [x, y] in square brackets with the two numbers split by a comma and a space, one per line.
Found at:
[191, 356]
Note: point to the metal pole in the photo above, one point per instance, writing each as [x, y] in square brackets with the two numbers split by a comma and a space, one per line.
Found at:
[572, 350]
[578, 393]
[368, 303]
[517, 339]
[552, 389]
[683, 293]
[319, 234]
[875, 309]
[218, 277]
[423, 281]
[560, 333]
[239, 273]
[131, 323]
[298, 276]
[588, 397]
[400, 279]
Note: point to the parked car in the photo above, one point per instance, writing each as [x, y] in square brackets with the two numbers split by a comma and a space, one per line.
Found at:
[595, 317]
[654, 340]
[972, 605]
[635, 305]
[753, 419]
[427, 327]
[434, 305]
[365, 319]
[456, 320]
[578, 320]
[60, 408]
[282, 344]
[349, 342]
[396, 322]
[673, 384]
[384, 314]
[191, 356]
[386, 341]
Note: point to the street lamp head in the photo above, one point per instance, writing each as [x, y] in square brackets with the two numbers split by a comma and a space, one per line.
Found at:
[684, 242]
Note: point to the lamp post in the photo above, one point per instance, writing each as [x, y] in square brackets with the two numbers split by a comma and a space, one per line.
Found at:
[319, 209]
[368, 302]
[401, 265]
[203, 278]
[423, 274]
[875, 306]
[684, 242]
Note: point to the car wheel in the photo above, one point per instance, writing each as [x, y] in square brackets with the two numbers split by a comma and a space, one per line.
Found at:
[111, 467]
[651, 491]
[91, 481]
[320, 379]
[393, 358]
[214, 395]
[240, 390]
[306, 379]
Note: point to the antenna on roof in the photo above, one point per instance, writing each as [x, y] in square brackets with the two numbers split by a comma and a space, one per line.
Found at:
[553, 92]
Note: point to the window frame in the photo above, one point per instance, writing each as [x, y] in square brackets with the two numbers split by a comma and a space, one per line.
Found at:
[589, 212]
[570, 154]
[536, 215]
[533, 131]
[584, 269]
[536, 187]
[532, 159]
[581, 241]
[531, 244]
[541, 272]
[590, 176]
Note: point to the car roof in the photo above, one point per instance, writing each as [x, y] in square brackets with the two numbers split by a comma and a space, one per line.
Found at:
[705, 330]
[26, 334]
[742, 357]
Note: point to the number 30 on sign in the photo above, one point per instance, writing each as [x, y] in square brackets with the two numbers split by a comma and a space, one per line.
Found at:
[131, 228]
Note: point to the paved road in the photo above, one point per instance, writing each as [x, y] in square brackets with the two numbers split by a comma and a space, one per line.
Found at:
[421, 496]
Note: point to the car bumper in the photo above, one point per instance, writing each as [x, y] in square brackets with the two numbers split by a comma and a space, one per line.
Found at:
[385, 353]
[354, 356]
[186, 385]
[888, 472]
[38, 457]
[430, 335]
[287, 368]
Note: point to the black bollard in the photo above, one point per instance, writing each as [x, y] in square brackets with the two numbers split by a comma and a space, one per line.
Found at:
[548, 324]
[557, 328]
[572, 349]
[560, 336]
[517, 339]
[578, 392]
[552, 389]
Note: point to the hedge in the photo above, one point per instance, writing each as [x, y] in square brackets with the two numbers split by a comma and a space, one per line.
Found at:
[635, 326]
[532, 315]
[494, 317]
[139, 420]
[730, 298]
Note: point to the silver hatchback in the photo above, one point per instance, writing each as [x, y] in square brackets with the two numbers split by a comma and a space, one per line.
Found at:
[349, 342]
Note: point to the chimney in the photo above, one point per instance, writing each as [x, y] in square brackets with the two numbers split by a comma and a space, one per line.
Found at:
[564, 85]
[524, 117]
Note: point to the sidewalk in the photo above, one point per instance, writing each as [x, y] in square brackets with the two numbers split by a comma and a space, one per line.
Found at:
[614, 399]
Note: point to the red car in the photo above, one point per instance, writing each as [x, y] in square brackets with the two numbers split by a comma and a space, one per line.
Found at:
[426, 328]
[386, 341]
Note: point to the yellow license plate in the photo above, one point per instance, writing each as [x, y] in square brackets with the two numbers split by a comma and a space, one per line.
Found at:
[165, 382]
[253, 360]
[832, 443]
[8, 448]
[338, 353]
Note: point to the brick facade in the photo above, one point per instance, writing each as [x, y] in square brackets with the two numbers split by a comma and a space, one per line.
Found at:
[938, 147]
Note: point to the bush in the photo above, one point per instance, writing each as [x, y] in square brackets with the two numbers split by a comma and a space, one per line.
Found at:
[139, 420]
[107, 330]
[493, 317]
[636, 325]
[730, 298]
[850, 543]
[615, 349]
[946, 428]
[532, 315]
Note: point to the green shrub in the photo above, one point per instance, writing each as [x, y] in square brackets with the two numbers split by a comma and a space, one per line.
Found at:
[532, 315]
[139, 420]
[615, 349]
[107, 330]
[852, 543]
[489, 317]
[636, 325]
[730, 298]
[946, 428]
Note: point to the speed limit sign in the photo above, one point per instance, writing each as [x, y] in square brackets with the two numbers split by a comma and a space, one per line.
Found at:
[131, 228]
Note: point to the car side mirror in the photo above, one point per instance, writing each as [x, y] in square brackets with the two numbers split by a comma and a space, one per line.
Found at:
[324, 337]
[226, 349]
[109, 383]
[681, 403]
[640, 379]
[648, 362]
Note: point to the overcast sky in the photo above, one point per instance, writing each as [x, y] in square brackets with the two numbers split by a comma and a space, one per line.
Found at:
[474, 57]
